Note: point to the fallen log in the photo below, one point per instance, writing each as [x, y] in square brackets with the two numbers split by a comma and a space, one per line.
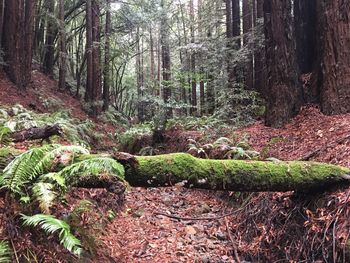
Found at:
[36, 133]
[235, 175]
[227, 175]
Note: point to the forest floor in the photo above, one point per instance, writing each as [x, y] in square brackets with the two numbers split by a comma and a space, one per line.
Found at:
[141, 231]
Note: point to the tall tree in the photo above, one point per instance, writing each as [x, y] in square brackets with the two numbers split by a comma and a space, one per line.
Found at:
[49, 47]
[259, 55]
[63, 51]
[93, 85]
[333, 58]
[106, 70]
[284, 95]
[17, 40]
[247, 27]
[166, 61]
[193, 63]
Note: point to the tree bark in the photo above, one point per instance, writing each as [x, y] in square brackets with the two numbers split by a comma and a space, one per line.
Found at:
[94, 84]
[333, 63]
[49, 48]
[259, 56]
[234, 175]
[166, 63]
[35, 133]
[106, 71]
[247, 28]
[284, 96]
[63, 51]
[193, 64]
[17, 40]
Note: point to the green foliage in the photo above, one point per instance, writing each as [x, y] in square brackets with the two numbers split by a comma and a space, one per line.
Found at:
[222, 148]
[130, 138]
[52, 225]
[5, 252]
[74, 130]
[40, 175]
[115, 118]
[196, 123]
[4, 134]
[92, 167]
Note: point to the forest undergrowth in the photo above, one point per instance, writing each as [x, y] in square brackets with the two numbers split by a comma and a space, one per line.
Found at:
[175, 224]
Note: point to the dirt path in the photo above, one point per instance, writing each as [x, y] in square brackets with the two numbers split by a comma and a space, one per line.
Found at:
[138, 234]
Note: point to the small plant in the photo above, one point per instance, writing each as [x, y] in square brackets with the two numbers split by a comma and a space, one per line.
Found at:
[52, 225]
[222, 148]
[135, 137]
[5, 252]
[38, 176]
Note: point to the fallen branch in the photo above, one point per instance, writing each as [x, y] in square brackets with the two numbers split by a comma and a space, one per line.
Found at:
[195, 218]
[36, 133]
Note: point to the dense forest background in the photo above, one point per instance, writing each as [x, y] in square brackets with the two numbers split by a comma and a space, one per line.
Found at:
[174, 131]
[238, 60]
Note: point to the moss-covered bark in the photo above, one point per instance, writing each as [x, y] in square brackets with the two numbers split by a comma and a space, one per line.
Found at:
[234, 175]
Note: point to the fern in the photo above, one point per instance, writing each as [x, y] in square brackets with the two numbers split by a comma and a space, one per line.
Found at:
[28, 166]
[44, 193]
[4, 134]
[5, 252]
[21, 170]
[52, 225]
[66, 153]
[94, 166]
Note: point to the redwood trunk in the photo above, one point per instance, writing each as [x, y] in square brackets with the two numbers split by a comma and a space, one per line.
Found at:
[49, 48]
[247, 27]
[17, 40]
[106, 71]
[63, 51]
[333, 62]
[284, 95]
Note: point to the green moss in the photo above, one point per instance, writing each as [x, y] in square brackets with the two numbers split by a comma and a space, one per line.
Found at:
[234, 174]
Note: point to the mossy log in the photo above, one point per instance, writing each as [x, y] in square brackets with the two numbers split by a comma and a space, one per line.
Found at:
[235, 175]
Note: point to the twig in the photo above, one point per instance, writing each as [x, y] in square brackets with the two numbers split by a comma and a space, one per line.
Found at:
[235, 249]
[195, 218]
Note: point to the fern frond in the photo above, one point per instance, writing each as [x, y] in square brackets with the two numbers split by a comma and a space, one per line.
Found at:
[223, 140]
[45, 195]
[94, 166]
[54, 178]
[21, 170]
[5, 252]
[68, 151]
[52, 225]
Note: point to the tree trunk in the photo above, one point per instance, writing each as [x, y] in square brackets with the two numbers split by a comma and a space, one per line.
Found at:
[259, 56]
[284, 96]
[17, 40]
[221, 175]
[236, 21]
[247, 28]
[166, 64]
[193, 64]
[140, 105]
[333, 63]
[234, 175]
[93, 85]
[63, 51]
[106, 71]
[229, 45]
[1, 19]
[49, 48]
